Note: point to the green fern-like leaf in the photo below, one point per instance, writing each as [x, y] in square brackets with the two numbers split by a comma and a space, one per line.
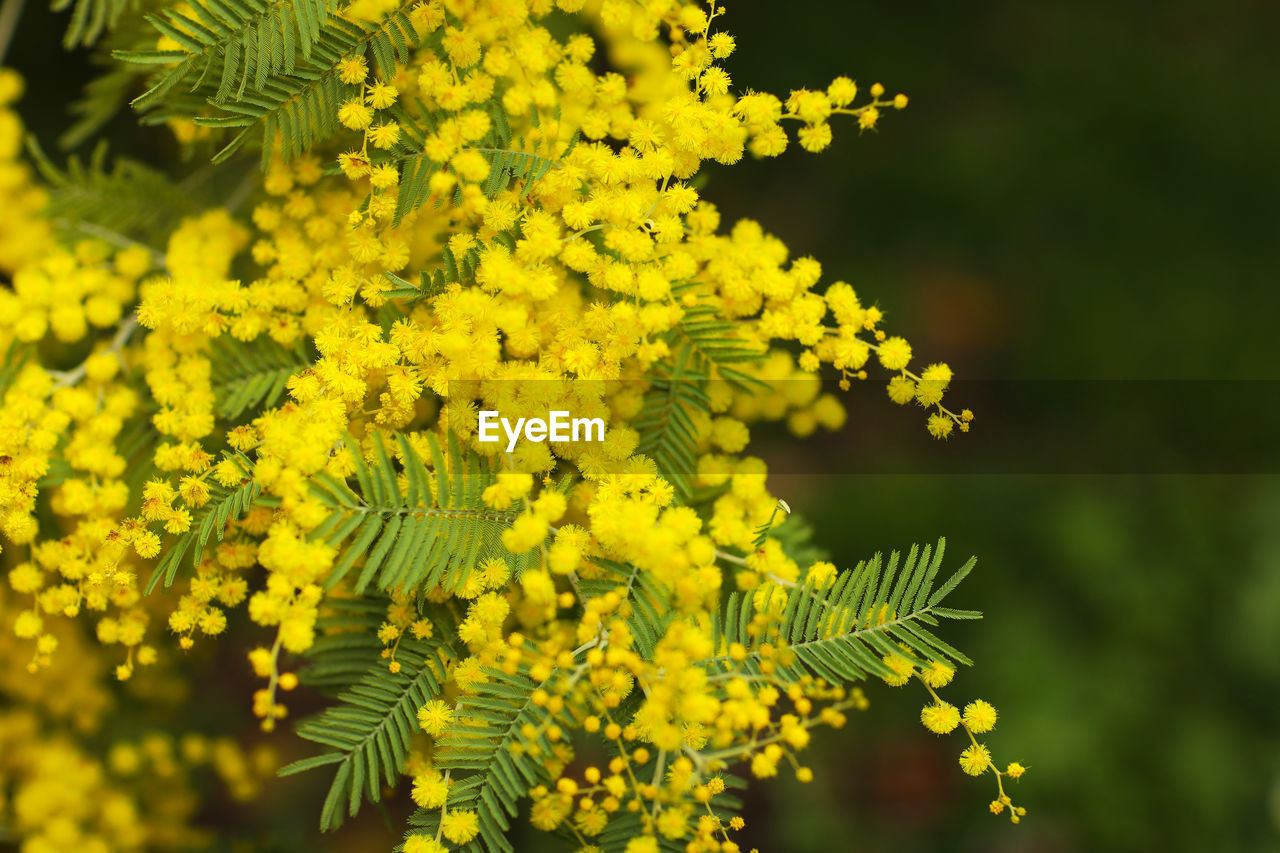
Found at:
[295, 91]
[107, 92]
[370, 729]
[715, 344]
[346, 641]
[16, 355]
[104, 96]
[224, 505]
[90, 19]
[232, 43]
[126, 200]
[251, 377]
[706, 349]
[763, 531]
[795, 535]
[650, 609]
[841, 633]
[136, 445]
[507, 165]
[666, 427]
[432, 532]
[715, 341]
[489, 773]
[625, 826]
[509, 162]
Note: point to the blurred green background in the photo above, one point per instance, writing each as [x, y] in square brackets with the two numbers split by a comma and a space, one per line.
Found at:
[1083, 190]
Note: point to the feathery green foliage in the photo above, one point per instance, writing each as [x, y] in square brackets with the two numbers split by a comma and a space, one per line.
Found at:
[295, 90]
[841, 632]
[650, 612]
[706, 351]
[126, 199]
[508, 164]
[491, 762]
[432, 532]
[90, 18]
[428, 285]
[371, 728]
[251, 378]
[104, 96]
[17, 353]
[225, 504]
[715, 345]
[667, 431]
[346, 641]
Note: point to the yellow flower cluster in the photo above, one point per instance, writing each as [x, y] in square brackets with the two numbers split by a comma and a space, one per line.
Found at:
[24, 234]
[141, 796]
[505, 226]
[977, 718]
[64, 789]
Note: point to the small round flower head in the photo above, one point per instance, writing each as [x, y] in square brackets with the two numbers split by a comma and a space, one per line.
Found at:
[940, 717]
[815, 137]
[353, 164]
[460, 826]
[940, 425]
[418, 843]
[434, 717]
[901, 668]
[353, 69]
[355, 115]
[384, 175]
[979, 717]
[895, 353]
[842, 91]
[430, 790]
[937, 674]
[382, 95]
[901, 390]
[384, 135]
[975, 760]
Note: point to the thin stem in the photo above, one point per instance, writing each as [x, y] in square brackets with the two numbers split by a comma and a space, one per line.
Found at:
[242, 191]
[991, 765]
[9, 14]
[115, 238]
[118, 341]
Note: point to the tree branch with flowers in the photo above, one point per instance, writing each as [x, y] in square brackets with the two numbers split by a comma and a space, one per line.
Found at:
[491, 205]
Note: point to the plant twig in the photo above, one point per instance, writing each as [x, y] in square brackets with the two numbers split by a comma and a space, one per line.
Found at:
[118, 341]
[115, 238]
[9, 14]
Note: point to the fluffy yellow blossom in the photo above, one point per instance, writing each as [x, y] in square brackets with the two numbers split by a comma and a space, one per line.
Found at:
[434, 717]
[979, 717]
[975, 760]
[940, 718]
[261, 418]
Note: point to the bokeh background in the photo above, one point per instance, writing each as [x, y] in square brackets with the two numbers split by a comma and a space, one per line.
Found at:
[1078, 190]
[1081, 190]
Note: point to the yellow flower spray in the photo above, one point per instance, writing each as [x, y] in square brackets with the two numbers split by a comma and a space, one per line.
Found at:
[466, 206]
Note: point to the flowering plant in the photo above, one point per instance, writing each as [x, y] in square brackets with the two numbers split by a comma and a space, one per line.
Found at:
[255, 387]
